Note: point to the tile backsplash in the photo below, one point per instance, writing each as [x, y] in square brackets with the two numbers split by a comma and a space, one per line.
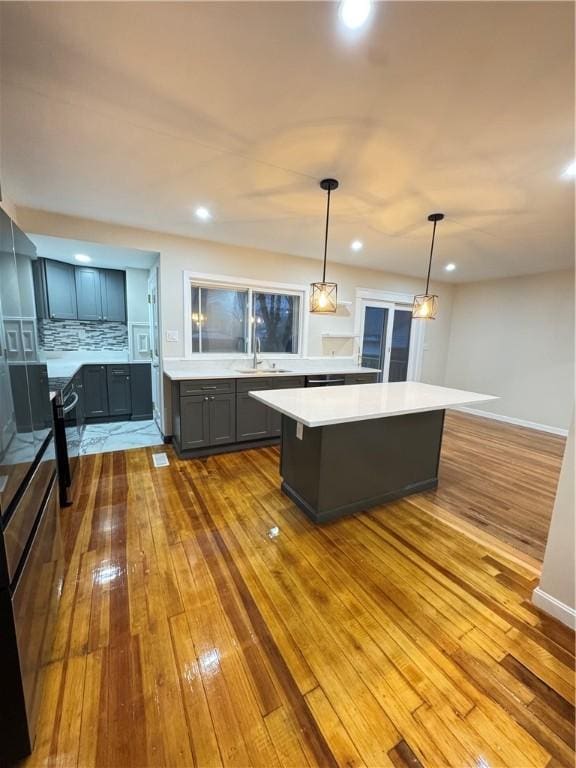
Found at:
[83, 335]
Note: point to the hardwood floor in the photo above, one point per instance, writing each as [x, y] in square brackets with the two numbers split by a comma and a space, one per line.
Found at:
[500, 478]
[206, 622]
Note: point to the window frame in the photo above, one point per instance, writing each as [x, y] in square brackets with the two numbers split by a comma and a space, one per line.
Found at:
[252, 286]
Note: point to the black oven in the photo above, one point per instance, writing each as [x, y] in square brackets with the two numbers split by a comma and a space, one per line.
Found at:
[68, 428]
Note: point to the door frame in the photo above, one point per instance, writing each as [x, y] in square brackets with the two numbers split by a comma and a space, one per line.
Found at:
[155, 349]
[391, 301]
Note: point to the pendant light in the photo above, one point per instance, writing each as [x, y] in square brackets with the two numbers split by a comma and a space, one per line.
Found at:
[323, 296]
[426, 305]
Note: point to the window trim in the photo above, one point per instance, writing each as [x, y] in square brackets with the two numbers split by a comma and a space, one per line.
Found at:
[240, 283]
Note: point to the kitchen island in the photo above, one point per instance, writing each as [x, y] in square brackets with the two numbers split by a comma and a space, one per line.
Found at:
[346, 449]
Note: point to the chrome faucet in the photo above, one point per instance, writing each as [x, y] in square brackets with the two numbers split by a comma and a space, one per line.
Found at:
[255, 346]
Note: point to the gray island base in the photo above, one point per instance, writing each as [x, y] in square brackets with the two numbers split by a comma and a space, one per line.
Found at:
[346, 449]
[339, 469]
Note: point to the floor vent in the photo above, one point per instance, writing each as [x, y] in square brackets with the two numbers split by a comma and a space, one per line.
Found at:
[160, 460]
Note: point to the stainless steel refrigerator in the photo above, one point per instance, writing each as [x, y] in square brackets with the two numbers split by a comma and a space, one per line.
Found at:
[30, 548]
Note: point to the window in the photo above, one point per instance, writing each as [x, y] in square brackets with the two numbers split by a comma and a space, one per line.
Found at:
[277, 316]
[221, 319]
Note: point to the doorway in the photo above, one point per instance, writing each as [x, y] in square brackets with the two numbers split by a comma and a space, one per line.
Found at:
[389, 340]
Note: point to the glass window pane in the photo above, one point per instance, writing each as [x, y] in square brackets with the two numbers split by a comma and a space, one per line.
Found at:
[219, 318]
[277, 319]
[400, 345]
[375, 321]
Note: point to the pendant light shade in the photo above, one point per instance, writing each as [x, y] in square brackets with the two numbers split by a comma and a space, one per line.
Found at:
[323, 295]
[426, 304]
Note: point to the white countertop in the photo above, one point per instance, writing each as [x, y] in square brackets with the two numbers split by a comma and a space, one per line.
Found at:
[318, 407]
[67, 368]
[187, 374]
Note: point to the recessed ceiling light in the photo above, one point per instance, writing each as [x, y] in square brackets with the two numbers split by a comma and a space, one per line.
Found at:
[570, 172]
[355, 13]
[356, 245]
[450, 267]
[203, 213]
[82, 257]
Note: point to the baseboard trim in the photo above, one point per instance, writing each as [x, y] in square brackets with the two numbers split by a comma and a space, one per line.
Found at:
[554, 607]
[513, 420]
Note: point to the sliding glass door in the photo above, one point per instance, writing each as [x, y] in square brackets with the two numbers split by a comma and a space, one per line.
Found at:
[385, 336]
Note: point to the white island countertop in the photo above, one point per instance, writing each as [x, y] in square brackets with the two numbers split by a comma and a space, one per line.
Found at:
[318, 407]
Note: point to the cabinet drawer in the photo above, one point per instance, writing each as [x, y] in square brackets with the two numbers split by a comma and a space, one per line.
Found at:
[361, 378]
[260, 382]
[290, 382]
[207, 386]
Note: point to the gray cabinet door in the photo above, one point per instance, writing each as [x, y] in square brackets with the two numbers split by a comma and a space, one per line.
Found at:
[60, 290]
[194, 421]
[95, 390]
[88, 293]
[222, 419]
[119, 394]
[113, 295]
[252, 418]
[141, 390]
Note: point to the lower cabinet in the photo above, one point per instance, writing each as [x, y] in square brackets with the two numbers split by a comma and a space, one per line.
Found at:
[222, 419]
[206, 420]
[141, 390]
[255, 420]
[95, 390]
[192, 428]
[252, 418]
[119, 390]
[211, 412]
[116, 391]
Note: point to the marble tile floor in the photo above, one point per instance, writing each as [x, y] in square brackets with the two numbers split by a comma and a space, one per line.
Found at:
[119, 436]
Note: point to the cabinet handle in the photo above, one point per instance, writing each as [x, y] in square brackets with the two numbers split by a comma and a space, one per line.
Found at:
[212, 398]
[127, 378]
[105, 318]
[206, 398]
[209, 388]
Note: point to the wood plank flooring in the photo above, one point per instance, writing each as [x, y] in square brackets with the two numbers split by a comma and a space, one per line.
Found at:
[499, 478]
[206, 622]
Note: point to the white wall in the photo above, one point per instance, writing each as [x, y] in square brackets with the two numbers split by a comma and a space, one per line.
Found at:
[515, 338]
[179, 253]
[136, 295]
[556, 593]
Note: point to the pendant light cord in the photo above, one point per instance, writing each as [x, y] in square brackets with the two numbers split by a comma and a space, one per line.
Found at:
[326, 237]
[430, 262]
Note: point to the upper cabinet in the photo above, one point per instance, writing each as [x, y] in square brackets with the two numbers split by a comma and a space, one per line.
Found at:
[60, 290]
[88, 293]
[67, 292]
[113, 287]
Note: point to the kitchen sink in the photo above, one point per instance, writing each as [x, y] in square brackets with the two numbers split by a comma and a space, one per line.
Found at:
[262, 372]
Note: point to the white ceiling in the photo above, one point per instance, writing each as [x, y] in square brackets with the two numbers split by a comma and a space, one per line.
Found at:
[104, 256]
[136, 113]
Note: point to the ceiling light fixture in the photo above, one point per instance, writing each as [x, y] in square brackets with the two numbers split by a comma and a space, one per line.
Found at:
[570, 172]
[356, 245]
[203, 213]
[324, 296]
[450, 267]
[355, 13]
[426, 304]
[82, 257]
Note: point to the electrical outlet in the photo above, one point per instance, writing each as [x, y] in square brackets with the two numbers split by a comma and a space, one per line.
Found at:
[171, 335]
